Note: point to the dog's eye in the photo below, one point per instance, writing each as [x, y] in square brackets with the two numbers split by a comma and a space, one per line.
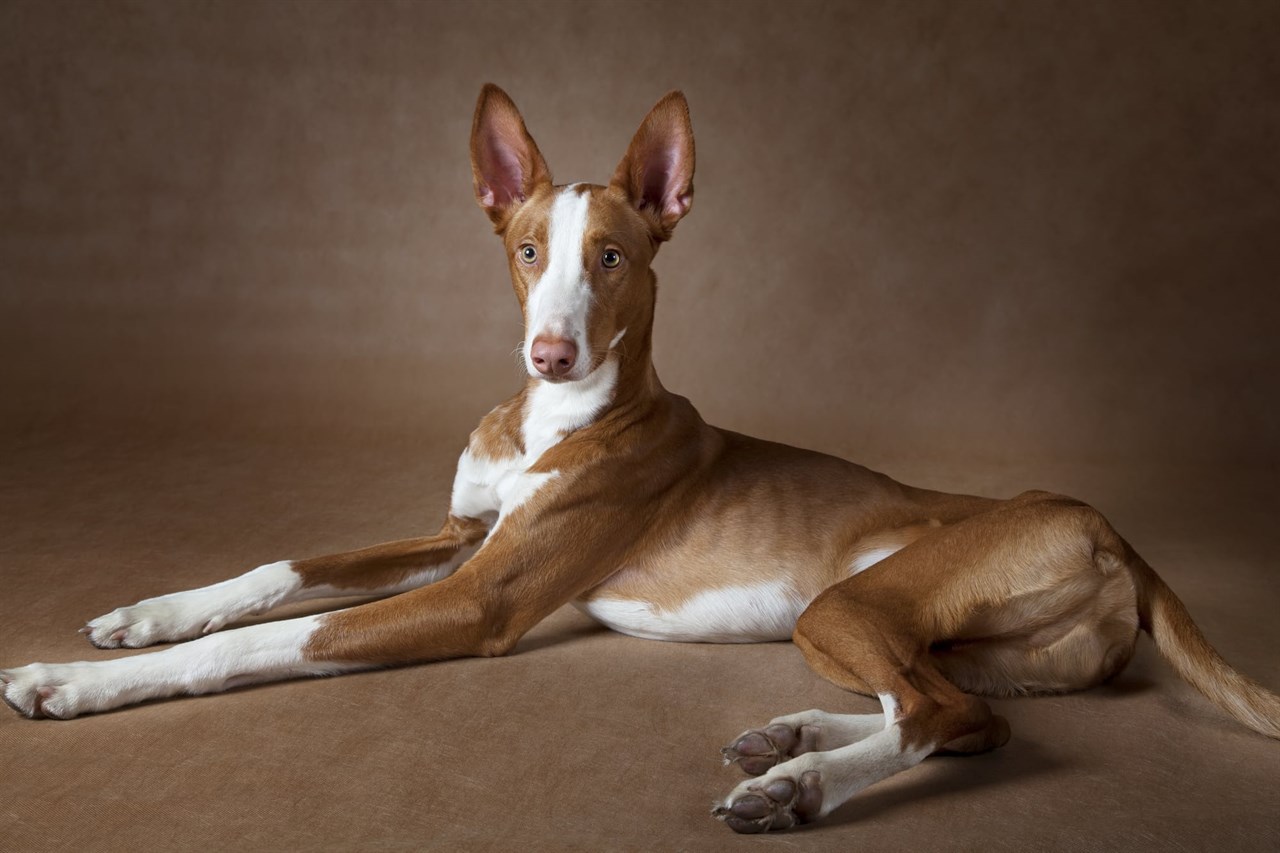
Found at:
[611, 258]
[528, 254]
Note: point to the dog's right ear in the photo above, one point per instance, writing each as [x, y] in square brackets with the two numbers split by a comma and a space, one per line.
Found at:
[506, 164]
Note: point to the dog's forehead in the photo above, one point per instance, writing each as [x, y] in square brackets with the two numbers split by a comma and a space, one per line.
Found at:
[595, 212]
[531, 219]
[611, 217]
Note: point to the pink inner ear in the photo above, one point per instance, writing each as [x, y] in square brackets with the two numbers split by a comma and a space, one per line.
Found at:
[503, 172]
[677, 206]
[665, 183]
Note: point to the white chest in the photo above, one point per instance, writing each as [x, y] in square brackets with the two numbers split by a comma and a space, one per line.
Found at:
[490, 488]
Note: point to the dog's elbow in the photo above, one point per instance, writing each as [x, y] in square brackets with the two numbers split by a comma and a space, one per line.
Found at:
[497, 644]
[496, 633]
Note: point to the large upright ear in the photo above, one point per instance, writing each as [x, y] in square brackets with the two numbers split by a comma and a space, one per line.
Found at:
[506, 164]
[657, 171]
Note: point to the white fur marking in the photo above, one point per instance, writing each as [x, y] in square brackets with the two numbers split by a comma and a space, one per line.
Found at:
[742, 614]
[865, 561]
[559, 301]
[489, 489]
[475, 486]
[890, 706]
[182, 615]
[555, 409]
[265, 652]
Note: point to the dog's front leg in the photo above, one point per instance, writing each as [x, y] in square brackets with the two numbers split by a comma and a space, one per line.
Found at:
[481, 610]
[388, 568]
[210, 664]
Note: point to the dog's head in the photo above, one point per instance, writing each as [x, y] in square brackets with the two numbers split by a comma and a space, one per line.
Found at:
[580, 254]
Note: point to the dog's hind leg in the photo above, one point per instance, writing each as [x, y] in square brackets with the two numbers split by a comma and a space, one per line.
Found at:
[1011, 600]
[382, 569]
[864, 645]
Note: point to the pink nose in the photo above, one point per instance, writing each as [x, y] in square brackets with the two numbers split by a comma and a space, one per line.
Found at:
[553, 356]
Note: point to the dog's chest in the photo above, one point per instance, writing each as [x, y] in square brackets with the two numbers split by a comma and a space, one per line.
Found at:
[491, 483]
[488, 488]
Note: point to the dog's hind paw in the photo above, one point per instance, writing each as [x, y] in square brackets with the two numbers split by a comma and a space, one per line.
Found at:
[779, 803]
[757, 750]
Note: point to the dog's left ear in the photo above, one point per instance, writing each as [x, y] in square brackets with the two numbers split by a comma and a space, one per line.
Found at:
[657, 171]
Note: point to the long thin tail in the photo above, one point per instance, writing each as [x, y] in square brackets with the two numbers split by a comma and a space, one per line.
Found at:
[1179, 640]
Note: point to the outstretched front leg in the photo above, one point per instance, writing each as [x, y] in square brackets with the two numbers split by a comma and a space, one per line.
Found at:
[210, 664]
[471, 613]
[517, 577]
[382, 569]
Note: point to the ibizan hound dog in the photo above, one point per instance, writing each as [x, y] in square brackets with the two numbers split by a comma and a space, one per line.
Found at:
[594, 485]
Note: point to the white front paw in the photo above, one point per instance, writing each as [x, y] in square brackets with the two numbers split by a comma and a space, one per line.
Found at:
[156, 620]
[183, 615]
[45, 690]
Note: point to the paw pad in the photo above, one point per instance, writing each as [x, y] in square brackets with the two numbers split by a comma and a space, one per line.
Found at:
[778, 804]
[758, 750]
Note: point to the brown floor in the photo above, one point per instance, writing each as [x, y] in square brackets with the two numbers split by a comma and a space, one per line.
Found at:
[249, 311]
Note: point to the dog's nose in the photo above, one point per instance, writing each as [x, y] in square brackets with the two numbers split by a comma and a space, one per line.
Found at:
[553, 356]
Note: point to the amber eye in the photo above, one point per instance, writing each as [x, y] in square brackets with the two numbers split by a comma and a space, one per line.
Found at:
[611, 258]
[528, 254]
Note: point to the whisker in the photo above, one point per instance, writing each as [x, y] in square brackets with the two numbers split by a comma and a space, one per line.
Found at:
[518, 355]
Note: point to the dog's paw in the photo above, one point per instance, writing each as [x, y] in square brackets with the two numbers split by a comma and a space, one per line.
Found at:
[45, 690]
[757, 750]
[184, 615]
[778, 801]
[156, 620]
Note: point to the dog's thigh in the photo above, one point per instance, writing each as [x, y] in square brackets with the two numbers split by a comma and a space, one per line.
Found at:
[1026, 597]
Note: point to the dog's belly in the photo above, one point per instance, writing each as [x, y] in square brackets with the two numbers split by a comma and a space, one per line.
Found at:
[750, 613]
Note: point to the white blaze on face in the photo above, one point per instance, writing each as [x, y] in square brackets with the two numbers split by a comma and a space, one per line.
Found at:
[559, 302]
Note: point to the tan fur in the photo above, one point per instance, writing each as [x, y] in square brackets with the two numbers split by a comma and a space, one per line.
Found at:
[389, 564]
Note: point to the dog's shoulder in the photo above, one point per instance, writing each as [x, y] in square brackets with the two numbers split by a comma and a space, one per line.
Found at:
[499, 434]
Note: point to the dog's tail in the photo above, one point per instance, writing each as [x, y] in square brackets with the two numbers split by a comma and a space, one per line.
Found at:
[1178, 638]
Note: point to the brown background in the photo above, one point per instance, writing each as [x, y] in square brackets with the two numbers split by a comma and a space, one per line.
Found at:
[248, 310]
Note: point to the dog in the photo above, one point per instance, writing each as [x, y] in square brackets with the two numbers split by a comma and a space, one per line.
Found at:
[594, 485]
